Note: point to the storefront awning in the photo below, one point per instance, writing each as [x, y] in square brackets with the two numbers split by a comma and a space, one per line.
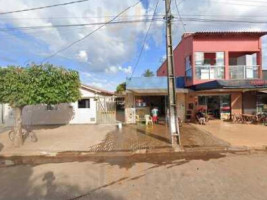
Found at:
[231, 84]
[147, 92]
[150, 86]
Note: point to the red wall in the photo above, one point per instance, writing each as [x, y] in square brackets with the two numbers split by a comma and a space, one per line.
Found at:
[184, 48]
[211, 43]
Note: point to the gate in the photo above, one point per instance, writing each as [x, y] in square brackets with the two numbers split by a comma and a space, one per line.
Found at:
[106, 111]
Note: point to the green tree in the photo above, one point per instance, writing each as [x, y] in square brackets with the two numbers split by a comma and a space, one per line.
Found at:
[38, 84]
[121, 87]
[148, 73]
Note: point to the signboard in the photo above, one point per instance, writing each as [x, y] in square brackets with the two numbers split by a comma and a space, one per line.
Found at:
[258, 82]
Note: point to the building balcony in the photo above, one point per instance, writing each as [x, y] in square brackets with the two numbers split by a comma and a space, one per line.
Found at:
[240, 72]
[209, 72]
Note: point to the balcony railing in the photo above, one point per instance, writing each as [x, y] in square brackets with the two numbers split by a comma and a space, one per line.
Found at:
[209, 72]
[244, 72]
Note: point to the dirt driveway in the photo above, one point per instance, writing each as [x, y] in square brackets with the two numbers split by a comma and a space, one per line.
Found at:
[248, 135]
[58, 139]
[107, 138]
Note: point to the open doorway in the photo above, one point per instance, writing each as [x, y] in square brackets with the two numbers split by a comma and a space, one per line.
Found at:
[213, 106]
[144, 105]
[216, 106]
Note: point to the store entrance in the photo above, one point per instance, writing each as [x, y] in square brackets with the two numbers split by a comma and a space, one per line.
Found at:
[213, 106]
[216, 106]
[144, 105]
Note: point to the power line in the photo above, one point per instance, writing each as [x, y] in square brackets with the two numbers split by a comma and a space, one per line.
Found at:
[26, 28]
[89, 34]
[73, 17]
[180, 15]
[144, 42]
[42, 7]
[79, 25]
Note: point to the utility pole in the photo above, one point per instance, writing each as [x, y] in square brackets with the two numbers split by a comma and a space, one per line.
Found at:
[173, 118]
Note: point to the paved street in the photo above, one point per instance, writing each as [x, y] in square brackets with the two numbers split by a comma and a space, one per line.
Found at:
[213, 177]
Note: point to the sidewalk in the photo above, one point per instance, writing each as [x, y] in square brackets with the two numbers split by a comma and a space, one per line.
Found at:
[239, 135]
[54, 139]
[108, 139]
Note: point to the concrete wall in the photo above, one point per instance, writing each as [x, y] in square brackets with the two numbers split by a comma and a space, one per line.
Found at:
[181, 105]
[8, 115]
[236, 103]
[63, 114]
[130, 108]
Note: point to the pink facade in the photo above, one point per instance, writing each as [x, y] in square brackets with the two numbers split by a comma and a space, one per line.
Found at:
[207, 56]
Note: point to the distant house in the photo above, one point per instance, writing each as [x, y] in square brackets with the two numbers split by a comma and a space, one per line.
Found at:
[95, 106]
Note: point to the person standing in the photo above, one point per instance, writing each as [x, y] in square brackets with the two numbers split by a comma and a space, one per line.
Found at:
[154, 113]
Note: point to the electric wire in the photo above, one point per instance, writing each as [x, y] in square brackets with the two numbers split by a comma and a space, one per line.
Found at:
[42, 7]
[177, 9]
[89, 34]
[144, 42]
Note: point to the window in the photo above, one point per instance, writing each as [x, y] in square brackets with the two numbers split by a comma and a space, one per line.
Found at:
[84, 103]
[209, 65]
[188, 67]
[51, 107]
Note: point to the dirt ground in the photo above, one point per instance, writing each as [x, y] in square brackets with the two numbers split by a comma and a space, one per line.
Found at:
[214, 177]
[248, 135]
[58, 139]
[106, 138]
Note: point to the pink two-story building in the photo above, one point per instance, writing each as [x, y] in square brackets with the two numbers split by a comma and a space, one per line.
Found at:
[219, 72]
[223, 72]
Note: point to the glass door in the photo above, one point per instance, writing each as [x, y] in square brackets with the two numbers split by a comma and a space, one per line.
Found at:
[225, 107]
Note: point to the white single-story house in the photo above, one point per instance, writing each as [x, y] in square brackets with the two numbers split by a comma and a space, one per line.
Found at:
[96, 106]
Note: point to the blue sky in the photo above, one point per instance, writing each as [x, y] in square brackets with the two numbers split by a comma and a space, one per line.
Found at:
[106, 58]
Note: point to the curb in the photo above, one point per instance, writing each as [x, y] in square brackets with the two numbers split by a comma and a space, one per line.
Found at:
[82, 156]
[209, 149]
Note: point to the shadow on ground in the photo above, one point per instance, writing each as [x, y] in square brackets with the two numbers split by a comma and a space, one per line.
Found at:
[18, 184]
[158, 159]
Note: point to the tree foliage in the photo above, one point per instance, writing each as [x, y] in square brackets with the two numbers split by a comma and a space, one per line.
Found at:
[38, 84]
[121, 87]
[148, 73]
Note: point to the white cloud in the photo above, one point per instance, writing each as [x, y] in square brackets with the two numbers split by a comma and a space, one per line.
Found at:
[146, 46]
[97, 84]
[127, 70]
[82, 55]
[86, 74]
[112, 70]
[116, 69]
[113, 45]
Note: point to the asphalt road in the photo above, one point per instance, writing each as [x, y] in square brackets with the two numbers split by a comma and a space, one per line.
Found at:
[214, 177]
